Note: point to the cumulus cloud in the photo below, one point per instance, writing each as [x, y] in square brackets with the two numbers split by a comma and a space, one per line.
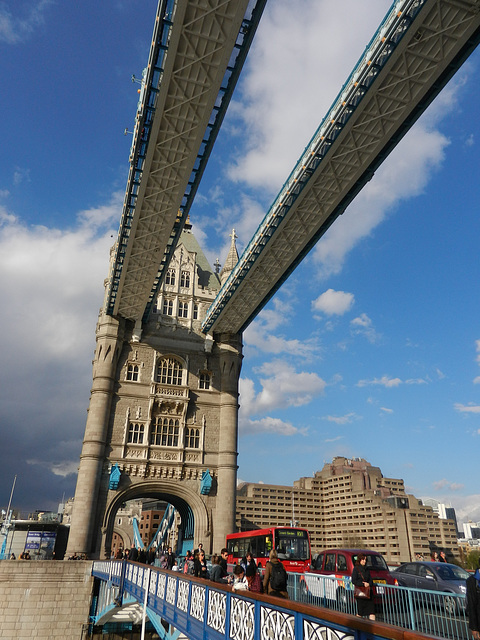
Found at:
[467, 408]
[332, 302]
[346, 419]
[52, 279]
[264, 334]
[363, 326]
[281, 387]
[267, 425]
[275, 138]
[384, 381]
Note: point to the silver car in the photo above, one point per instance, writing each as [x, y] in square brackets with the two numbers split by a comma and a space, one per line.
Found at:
[434, 576]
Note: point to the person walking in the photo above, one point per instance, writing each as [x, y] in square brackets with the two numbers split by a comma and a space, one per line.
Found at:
[275, 577]
[473, 604]
[363, 588]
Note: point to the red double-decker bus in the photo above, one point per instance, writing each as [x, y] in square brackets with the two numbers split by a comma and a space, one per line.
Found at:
[291, 543]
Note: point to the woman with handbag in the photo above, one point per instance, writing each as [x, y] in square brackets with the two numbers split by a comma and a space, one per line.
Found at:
[363, 588]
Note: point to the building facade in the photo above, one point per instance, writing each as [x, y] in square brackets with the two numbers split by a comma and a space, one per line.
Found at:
[349, 503]
[163, 414]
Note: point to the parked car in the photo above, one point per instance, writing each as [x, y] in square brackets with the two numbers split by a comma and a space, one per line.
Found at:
[434, 576]
[339, 564]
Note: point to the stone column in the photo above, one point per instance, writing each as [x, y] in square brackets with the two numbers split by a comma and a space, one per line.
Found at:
[84, 529]
[230, 347]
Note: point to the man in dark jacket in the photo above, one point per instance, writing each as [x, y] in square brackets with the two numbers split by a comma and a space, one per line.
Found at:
[473, 604]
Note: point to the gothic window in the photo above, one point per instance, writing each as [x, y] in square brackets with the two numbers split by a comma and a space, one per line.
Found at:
[195, 311]
[132, 372]
[185, 279]
[168, 307]
[169, 371]
[135, 433]
[192, 438]
[170, 276]
[183, 309]
[165, 431]
[204, 380]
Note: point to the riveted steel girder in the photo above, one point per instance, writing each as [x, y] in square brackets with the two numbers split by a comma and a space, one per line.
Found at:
[416, 50]
[198, 45]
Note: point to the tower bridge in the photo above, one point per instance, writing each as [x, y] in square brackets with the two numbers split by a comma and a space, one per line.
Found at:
[164, 402]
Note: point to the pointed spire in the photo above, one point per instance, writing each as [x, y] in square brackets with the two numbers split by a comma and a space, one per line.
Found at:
[231, 260]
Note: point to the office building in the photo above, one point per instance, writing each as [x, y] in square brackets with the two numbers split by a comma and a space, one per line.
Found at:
[349, 503]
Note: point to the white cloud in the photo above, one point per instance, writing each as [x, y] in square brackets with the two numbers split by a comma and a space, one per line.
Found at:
[346, 419]
[263, 334]
[363, 325]
[386, 410]
[333, 302]
[439, 485]
[267, 425]
[52, 280]
[282, 387]
[467, 408]
[278, 120]
[384, 381]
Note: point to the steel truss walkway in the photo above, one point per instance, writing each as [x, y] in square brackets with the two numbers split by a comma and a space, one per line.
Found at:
[198, 49]
[416, 50]
[205, 611]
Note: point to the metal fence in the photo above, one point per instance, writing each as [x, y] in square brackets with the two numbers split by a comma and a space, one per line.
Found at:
[431, 612]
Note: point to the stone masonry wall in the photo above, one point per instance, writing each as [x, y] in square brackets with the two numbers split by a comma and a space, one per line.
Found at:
[44, 600]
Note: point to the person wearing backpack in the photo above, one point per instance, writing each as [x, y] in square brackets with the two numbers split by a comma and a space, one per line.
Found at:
[275, 578]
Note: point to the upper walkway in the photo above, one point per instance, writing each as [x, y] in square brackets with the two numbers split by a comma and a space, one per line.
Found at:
[205, 610]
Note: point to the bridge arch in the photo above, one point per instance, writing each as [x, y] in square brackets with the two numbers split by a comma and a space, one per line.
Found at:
[177, 494]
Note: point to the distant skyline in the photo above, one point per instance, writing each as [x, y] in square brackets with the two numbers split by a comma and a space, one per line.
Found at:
[371, 349]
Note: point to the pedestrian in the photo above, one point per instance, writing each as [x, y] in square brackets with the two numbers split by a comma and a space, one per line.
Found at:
[170, 557]
[473, 604]
[189, 566]
[248, 560]
[363, 588]
[239, 581]
[275, 577]
[201, 569]
[253, 579]
[216, 572]
[223, 561]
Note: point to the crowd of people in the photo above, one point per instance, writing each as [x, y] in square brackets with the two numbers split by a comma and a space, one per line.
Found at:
[244, 577]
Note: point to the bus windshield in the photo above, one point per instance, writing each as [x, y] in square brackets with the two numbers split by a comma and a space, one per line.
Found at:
[292, 544]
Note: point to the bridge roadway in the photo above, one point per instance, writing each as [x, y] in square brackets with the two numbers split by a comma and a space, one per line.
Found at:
[207, 611]
[198, 49]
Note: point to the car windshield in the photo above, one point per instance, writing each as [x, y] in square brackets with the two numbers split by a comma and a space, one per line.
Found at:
[451, 572]
[374, 562]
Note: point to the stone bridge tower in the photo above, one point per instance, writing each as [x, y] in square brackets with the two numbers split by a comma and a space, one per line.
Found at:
[163, 410]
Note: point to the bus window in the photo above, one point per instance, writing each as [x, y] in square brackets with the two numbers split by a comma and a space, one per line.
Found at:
[268, 545]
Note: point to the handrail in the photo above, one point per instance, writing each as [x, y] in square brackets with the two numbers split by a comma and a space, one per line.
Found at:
[203, 609]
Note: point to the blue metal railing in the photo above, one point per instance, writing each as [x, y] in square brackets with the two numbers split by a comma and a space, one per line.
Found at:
[203, 609]
[431, 612]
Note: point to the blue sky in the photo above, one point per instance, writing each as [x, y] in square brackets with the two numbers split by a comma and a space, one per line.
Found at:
[372, 347]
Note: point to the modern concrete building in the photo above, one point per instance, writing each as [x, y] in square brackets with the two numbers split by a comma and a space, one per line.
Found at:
[163, 415]
[349, 503]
